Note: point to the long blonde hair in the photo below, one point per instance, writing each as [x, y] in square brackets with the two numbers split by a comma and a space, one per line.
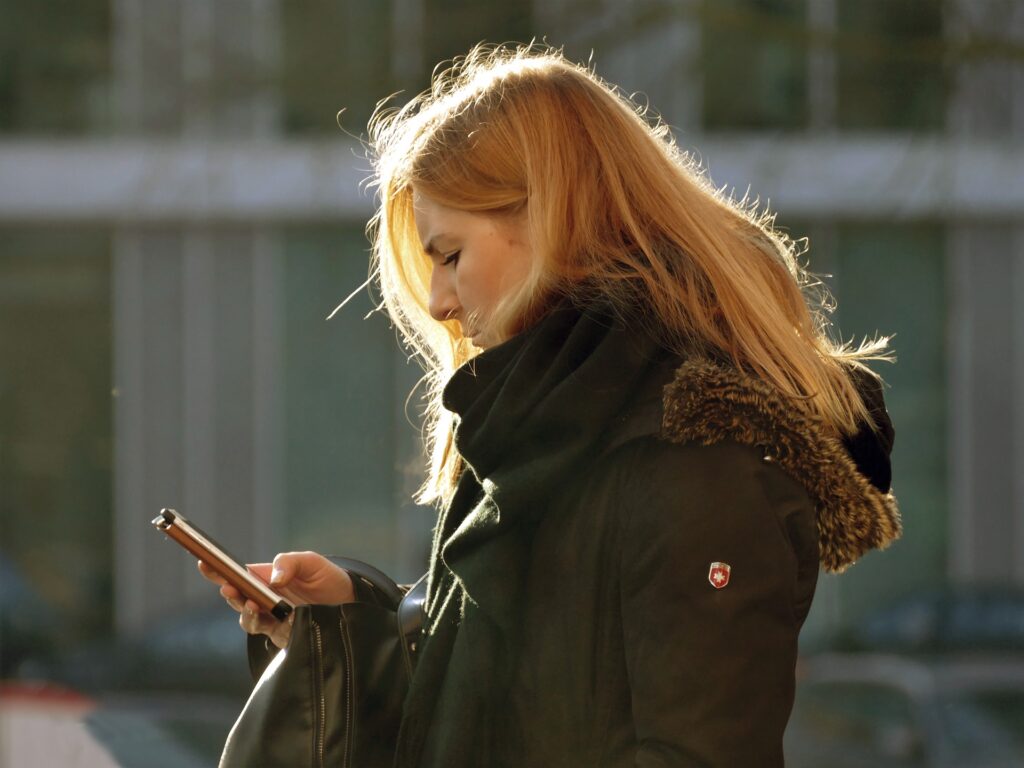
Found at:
[613, 207]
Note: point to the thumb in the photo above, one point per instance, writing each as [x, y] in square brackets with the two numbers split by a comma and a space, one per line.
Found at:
[286, 566]
[260, 570]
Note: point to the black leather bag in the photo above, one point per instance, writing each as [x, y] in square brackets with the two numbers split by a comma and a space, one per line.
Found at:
[334, 696]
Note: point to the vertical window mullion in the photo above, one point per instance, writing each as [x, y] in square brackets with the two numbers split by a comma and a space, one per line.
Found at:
[821, 60]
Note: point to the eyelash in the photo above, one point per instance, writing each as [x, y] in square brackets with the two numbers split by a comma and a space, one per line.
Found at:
[451, 258]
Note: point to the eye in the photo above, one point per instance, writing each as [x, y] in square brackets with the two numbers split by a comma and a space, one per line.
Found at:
[451, 258]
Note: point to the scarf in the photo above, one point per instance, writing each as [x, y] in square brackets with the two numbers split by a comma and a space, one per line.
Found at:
[529, 415]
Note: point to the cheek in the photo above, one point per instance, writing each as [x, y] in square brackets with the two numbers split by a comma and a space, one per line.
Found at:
[476, 286]
[519, 264]
[515, 269]
[504, 274]
[492, 272]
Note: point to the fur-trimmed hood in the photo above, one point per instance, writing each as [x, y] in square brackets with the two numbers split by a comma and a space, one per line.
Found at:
[707, 402]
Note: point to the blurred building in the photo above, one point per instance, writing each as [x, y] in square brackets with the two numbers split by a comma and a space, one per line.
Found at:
[179, 213]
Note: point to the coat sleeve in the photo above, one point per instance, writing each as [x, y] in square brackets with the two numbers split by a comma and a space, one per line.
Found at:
[370, 585]
[711, 670]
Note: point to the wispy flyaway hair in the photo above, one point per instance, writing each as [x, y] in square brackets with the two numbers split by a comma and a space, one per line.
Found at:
[615, 211]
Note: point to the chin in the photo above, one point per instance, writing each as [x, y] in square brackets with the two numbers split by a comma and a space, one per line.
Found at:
[483, 340]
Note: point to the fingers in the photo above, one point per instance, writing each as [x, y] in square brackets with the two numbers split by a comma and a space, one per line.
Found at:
[255, 622]
[282, 632]
[252, 620]
[210, 574]
[233, 597]
[250, 617]
[229, 593]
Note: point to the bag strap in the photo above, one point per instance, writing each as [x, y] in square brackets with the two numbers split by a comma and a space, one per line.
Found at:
[411, 613]
[377, 586]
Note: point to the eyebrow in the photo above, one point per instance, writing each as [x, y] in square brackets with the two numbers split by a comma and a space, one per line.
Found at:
[429, 248]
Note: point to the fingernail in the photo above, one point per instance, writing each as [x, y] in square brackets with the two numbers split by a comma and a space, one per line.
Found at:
[276, 576]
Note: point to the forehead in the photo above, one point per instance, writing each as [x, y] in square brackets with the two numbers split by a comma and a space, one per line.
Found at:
[423, 205]
[434, 218]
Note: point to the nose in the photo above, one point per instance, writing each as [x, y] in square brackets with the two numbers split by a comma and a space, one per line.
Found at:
[443, 302]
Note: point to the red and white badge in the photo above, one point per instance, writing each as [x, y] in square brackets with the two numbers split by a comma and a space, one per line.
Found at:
[719, 574]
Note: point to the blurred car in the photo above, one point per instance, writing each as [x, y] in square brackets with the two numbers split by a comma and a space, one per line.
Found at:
[186, 679]
[201, 651]
[884, 711]
[27, 622]
[951, 619]
[42, 724]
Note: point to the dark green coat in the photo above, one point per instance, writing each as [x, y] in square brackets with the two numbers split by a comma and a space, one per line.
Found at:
[571, 616]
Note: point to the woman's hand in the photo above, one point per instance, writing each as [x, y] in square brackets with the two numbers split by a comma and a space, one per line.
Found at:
[302, 577]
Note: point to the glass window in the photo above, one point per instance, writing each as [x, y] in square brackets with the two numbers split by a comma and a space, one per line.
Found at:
[754, 59]
[891, 279]
[347, 436]
[476, 22]
[891, 65]
[55, 441]
[335, 55]
[55, 67]
[342, 54]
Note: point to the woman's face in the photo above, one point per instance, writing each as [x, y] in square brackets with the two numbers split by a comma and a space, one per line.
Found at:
[477, 261]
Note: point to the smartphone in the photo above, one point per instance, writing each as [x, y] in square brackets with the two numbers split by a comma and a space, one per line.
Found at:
[177, 527]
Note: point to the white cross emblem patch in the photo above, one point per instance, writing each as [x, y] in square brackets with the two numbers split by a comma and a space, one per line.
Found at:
[718, 575]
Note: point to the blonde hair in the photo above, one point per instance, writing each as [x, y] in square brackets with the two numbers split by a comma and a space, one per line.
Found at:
[614, 210]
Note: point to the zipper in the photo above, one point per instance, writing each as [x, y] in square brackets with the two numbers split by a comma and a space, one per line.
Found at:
[318, 690]
[349, 725]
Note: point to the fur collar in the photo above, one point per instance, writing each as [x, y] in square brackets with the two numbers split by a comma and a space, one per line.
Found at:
[708, 402]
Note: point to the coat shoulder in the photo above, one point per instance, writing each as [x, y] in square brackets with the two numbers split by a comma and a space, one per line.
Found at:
[708, 403]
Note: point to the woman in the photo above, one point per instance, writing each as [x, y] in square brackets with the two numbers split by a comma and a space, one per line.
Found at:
[643, 441]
